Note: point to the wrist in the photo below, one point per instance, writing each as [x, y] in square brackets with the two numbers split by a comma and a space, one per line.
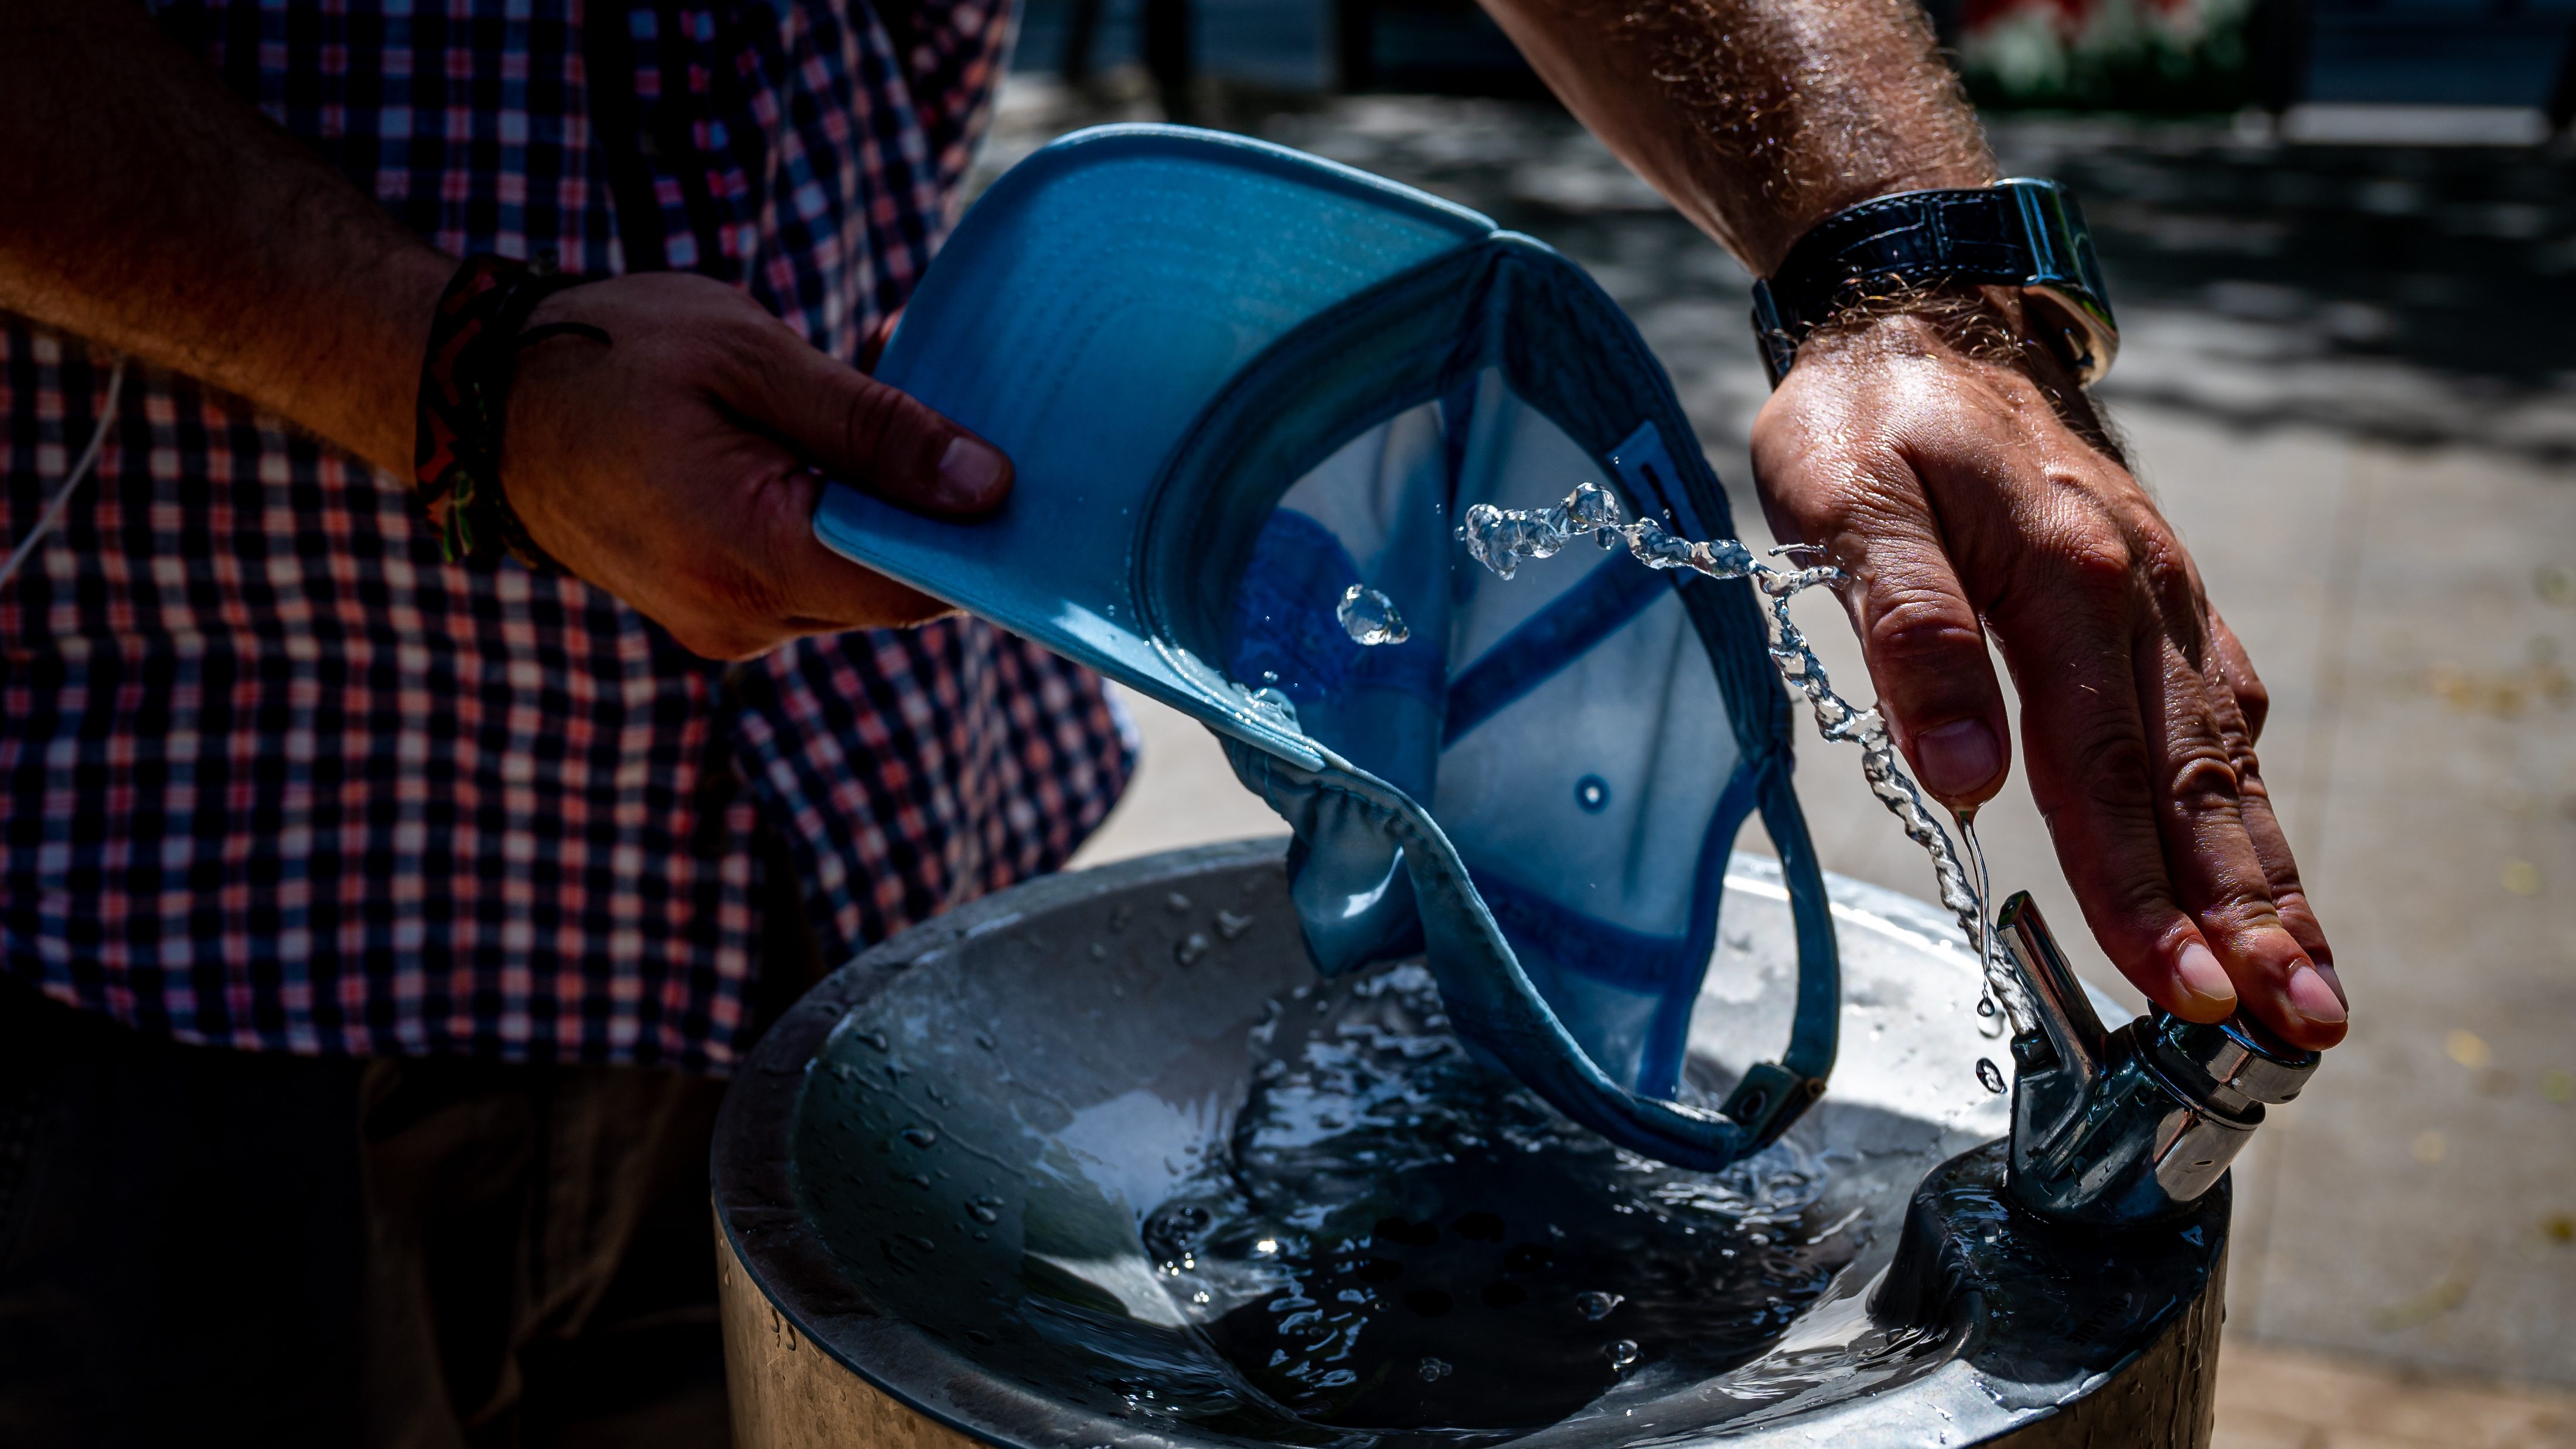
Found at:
[1976, 329]
[483, 317]
[361, 389]
[2022, 233]
[1979, 324]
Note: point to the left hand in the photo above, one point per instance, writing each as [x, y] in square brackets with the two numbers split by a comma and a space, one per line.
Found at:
[1963, 488]
[675, 467]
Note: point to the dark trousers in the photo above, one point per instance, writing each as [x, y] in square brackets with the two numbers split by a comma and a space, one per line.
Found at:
[212, 1248]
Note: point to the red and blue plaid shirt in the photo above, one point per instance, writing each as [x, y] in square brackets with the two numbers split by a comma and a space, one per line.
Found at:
[277, 777]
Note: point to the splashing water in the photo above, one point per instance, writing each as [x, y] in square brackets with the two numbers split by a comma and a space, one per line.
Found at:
[1370, 618]
[1271, 705]
[1394, 1238]
[1500, 538]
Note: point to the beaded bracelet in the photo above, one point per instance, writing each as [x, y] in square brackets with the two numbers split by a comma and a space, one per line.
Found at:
[474, 339]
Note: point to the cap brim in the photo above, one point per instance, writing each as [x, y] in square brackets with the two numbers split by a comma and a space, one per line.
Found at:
[1082, 316]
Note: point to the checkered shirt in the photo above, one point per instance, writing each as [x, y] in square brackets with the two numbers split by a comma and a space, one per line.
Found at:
[276, 777]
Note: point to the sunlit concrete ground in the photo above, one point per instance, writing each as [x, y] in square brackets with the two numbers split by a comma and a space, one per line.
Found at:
[2345, 377]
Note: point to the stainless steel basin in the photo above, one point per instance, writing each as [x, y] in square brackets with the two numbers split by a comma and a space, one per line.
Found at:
[1047, 1063]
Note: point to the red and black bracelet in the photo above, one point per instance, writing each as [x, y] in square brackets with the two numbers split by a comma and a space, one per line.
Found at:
[474, 341]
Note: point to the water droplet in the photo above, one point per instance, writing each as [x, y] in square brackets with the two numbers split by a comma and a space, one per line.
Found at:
[1230, 925]
[1434, 1370]
[1596, 1305]
[1370, 618]
[1273, 707]
[1177, 904]
[1592, 794]
[1270, 676]
[1986, 1005]
[1622, 1352]
[921, 1136]
[984, 1040]
[1099, 950]
[876, 1039]
[917, 1179]
[1191, 948]
[982, 1214]
[1266, 1246]
[1991, 1075]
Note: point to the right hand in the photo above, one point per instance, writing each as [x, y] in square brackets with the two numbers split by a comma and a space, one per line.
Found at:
[1957, 497]
[676, 467]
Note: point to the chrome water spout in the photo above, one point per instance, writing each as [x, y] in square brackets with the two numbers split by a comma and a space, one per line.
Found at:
[2114, 1128]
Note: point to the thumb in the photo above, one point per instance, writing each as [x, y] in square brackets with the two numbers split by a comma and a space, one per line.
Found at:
[1925, 646]
[879, 438]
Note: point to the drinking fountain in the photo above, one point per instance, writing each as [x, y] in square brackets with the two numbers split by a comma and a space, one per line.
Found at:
[936, 1178]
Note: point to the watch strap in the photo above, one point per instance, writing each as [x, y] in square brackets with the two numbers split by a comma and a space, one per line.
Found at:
[2021, 233]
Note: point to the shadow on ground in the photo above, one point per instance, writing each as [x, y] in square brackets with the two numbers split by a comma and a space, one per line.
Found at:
[2415, 295]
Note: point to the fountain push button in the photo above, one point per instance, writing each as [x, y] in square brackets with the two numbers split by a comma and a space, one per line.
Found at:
[2132, 1126]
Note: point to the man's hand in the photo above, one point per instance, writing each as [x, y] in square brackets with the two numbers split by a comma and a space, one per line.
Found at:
[674, 466]
[145, 206]
[1952, 489]
[1956, 490]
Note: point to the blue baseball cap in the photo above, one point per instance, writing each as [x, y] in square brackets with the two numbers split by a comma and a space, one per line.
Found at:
[1249, 395]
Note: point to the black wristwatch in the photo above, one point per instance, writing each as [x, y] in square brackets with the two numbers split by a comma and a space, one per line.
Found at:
[2017, 233]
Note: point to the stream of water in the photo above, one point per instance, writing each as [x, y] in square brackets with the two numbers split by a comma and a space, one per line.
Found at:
[1501, 538]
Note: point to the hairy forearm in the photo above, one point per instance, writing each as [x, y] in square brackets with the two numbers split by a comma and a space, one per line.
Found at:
[144, 205]
[1758, 118]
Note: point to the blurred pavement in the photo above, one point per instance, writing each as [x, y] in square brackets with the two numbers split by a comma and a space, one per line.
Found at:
[2346, 375]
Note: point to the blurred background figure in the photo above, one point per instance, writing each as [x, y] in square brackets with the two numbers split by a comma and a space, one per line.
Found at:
[2340, 236]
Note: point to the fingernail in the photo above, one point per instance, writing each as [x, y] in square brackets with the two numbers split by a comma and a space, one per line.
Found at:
[2312, 997]
[2204, 978]
[970, 476]
[1958, 757]
[2326, 970]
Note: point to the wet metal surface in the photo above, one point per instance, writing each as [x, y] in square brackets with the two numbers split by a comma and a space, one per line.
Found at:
[987, 1168]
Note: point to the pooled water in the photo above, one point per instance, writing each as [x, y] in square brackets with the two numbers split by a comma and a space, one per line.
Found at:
[1500, 538]
[1370, 618]
[1397, 1238]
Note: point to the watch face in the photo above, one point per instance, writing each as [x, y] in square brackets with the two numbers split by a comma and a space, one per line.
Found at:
[2081, 325]
[2065, 276]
